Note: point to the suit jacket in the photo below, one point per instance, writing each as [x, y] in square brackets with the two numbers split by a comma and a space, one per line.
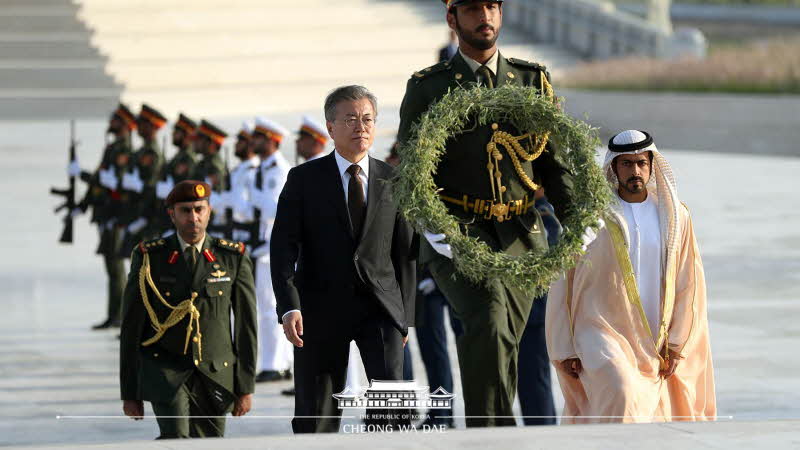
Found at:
[224, 284]
[319, 267]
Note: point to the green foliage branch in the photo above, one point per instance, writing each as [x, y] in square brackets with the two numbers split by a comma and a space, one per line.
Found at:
[415, 192]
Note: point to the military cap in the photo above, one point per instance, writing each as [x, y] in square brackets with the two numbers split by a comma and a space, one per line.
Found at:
[311, 127]
[453, 3]
[247, 130]
[152, 115]
[186, 124]
[212, 132]
[189, 191]
[125, 114]
[270, 129]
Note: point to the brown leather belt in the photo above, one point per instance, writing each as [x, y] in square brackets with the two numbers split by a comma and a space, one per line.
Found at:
[489, 209]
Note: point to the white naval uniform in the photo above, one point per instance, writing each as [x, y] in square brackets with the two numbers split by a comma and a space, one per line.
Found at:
[243, 179]
[275, 351]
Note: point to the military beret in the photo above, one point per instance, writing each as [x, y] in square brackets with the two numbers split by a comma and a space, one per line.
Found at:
[186, 124]
[212, 132]
[189, 191]
[453, 3]
[125, 114]
[152, 115]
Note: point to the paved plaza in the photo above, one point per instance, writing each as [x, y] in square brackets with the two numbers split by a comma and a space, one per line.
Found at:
[58, 380]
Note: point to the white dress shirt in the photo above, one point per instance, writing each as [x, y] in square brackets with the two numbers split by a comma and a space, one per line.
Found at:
[363, 174]
[491, 64]
[185, 245]
[645, 253]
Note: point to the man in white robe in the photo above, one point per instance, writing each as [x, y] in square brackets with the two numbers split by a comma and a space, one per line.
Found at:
[626, 328]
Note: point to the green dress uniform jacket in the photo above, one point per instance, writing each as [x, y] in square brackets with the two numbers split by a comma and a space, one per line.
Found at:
[211, 169]
[149, 161]
[221, 351]
[493, 314]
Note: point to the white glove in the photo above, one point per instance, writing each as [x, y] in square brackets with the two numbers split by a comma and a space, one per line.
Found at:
[137, 225]
[436, 241]
[589, 235]
[75, 212]
[163, 188]
[261, 250]
[109, 179]
[426, 286]
[73, 168]
[132, 182]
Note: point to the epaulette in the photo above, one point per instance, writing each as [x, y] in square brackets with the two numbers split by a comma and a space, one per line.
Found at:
[428, 71]
[526, 64]
[233, 246]
[149, 246]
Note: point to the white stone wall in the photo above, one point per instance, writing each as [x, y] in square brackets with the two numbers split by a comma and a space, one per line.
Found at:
[597, 30]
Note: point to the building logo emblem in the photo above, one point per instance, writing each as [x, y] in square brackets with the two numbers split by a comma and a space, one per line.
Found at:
[394, 395]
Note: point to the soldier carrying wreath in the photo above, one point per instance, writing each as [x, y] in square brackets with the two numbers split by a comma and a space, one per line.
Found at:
[486, 175]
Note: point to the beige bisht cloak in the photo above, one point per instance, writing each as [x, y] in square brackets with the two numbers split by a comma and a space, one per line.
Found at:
[594, 313]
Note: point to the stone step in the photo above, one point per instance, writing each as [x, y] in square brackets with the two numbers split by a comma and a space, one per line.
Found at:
[32, 50]
[21, 107]
[40, 24]
[143, 21]
[56, 78]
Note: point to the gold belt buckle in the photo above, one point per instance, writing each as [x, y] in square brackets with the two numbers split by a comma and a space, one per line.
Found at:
[499, 210]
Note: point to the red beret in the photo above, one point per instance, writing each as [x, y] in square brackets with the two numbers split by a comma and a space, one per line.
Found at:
[188, 191]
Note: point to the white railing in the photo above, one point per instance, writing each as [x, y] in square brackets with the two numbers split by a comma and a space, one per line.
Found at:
[597, 30]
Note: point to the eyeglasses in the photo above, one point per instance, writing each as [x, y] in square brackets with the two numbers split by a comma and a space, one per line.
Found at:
[367, 122]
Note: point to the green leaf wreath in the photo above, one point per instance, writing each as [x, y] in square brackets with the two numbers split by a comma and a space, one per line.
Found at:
[415, 192]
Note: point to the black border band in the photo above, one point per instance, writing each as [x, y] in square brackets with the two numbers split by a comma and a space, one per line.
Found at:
[620, 148]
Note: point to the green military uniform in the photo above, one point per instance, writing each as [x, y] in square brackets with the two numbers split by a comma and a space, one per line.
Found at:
[200, 364]
[148, 161]
[179, 168]
[211, 169]
[106, 206]
[493, 314]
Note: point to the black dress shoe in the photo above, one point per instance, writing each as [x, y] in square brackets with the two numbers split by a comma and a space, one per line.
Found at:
[266, 376]
[106, 325]
[288, 392]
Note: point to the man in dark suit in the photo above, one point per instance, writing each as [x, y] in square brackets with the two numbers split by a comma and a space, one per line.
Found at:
[343, 267]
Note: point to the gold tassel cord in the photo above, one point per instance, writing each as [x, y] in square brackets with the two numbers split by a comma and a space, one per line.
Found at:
[176, 315]
[516, 151]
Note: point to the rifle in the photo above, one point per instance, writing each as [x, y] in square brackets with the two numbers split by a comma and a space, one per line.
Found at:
[69, 193]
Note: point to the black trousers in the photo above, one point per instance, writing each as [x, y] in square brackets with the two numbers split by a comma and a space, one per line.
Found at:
[320, 366]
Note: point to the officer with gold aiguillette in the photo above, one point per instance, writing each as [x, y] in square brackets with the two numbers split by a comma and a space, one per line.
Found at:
[179, 347]
[487, 178]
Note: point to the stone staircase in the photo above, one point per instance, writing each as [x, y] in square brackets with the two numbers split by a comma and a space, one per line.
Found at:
[217, 58]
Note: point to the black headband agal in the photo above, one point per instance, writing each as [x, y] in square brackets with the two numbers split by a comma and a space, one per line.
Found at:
[622, 148]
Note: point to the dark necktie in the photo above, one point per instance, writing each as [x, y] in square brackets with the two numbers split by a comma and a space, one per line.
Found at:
[486, 76]
[355, 199]
[191, 257]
